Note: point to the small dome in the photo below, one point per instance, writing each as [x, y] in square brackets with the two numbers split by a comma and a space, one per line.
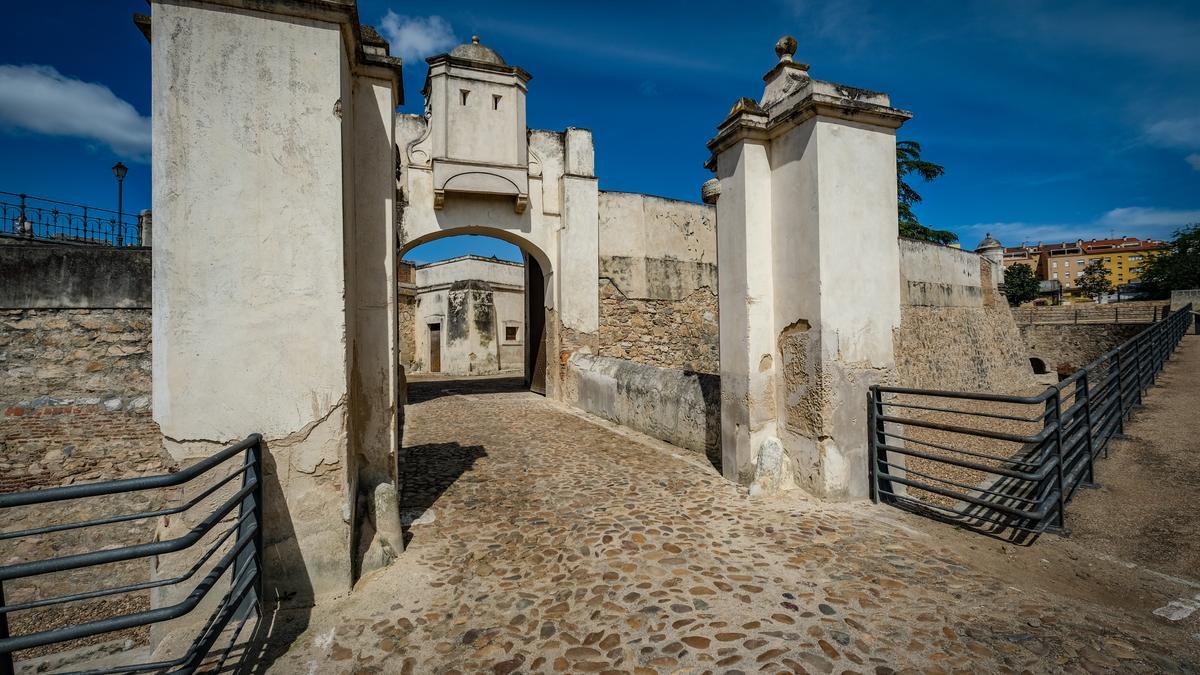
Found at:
[477, 52]
[988, 242]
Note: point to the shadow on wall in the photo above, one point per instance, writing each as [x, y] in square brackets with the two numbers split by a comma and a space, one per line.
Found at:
[287, 605]
[710, 390]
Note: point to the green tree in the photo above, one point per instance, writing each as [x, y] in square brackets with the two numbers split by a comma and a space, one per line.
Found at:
[1020, 285]
[1176, 268]
[909, 163]
[1094, 282]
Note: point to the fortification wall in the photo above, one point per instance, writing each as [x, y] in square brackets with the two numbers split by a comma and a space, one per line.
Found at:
[54, 276]
[1065, 348]
[658, 282]
[956, 331]
[75, 326]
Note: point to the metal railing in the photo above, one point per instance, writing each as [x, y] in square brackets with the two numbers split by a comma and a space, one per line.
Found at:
[240, 546]
[1007, 465]
[43, 219]
[1112, 313]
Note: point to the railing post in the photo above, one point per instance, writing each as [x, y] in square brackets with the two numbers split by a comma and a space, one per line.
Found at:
[251, 557]
[6, 659]
[1052, 406]
[1121, 409]
[1082, 387]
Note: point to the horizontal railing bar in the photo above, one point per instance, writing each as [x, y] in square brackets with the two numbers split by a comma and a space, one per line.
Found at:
[905, 470]
[91, 595]
[973, 396]
[969, 453]
[967, 431]
[53, 201]
[91, 559]
[11, 499]
[1033, 515]
[1040, 474]
[129, 516]
[965, 412]
[143, 618]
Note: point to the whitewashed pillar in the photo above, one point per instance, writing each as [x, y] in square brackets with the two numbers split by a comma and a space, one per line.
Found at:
[808, 268]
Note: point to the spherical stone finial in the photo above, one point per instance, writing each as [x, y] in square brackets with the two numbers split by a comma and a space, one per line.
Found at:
[474, 39]
[786, 48]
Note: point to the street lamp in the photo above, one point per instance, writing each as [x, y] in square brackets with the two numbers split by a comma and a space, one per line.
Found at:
[119, 170]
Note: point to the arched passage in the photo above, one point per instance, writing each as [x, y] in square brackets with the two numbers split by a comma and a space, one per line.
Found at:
[468, 310]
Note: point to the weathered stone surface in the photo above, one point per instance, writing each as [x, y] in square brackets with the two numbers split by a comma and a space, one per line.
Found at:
[682, 333]
[73, 353]
[1065, 348]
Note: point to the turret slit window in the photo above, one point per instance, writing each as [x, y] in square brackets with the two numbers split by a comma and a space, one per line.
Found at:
[464, 93]
[496, 101]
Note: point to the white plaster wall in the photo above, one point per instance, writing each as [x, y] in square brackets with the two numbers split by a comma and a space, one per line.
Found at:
[747, 313]
[248, 214]
[472, 267]
[374, 348]
[250, 290]
[933, 275]
[656, 248]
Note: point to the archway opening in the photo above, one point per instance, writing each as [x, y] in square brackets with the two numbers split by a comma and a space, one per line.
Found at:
[472, 323]
[1038, 365]
[472, 315]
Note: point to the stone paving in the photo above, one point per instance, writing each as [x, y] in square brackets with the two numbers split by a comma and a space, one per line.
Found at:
[544, 541]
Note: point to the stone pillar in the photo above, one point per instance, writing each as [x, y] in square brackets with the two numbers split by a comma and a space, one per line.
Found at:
[145, 228]
[808, 268]
[274, 302]
[577, 294]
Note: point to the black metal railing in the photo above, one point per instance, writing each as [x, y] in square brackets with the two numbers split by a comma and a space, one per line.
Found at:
[239, 547]
[1007, 465]
[43, 219]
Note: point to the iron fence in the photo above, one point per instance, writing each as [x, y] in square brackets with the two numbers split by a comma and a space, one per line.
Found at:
[239, 546]
[1007, 465]
[43, 219]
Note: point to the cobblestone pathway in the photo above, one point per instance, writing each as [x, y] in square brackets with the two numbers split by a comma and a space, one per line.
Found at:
[549, 543]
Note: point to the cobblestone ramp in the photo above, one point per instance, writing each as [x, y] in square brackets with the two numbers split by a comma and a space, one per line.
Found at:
[549, 543]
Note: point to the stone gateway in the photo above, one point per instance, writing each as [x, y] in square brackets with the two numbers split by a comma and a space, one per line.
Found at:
[281, 305]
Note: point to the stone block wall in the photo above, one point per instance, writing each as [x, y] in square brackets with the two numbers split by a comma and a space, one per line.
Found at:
[956, 332]
[1065, 348]
[679, 333]
[87, 356]
[658, 282]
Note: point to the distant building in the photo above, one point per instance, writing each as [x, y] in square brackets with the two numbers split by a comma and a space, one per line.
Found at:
[463, 316]
[1065, 262]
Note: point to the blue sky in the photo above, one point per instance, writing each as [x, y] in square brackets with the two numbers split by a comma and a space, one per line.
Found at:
[1053, 119]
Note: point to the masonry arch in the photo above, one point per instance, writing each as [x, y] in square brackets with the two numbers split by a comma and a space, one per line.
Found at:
[473, 284]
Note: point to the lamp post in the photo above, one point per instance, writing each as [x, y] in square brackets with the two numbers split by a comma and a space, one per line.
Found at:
[119, 170]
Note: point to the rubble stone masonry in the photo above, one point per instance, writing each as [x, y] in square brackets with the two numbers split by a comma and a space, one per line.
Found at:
[88, 356]
[681, 334]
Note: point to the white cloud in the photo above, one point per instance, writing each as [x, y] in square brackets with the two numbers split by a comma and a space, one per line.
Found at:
[1133, 221]
[413, 38]
[1138, 216]
[1181, 132]
[42, 100]
[1194, 160]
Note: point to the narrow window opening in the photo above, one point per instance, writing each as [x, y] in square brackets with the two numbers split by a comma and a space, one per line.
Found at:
[496, 101]
[464, 93]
